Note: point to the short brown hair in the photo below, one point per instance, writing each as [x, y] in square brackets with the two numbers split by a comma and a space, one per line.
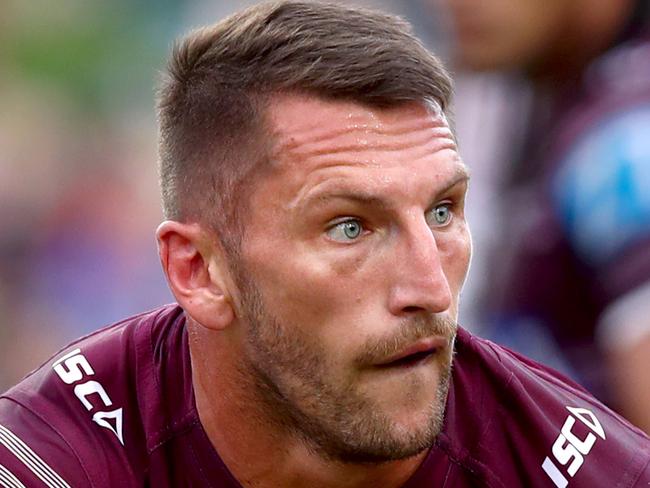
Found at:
[211, 103]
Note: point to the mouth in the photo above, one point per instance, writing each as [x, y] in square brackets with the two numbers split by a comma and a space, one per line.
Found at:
[415, 354]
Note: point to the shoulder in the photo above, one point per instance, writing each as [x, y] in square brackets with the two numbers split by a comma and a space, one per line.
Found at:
[31, 450]
[600, 156]
[522, 422]
[79, 412]
[601, 189]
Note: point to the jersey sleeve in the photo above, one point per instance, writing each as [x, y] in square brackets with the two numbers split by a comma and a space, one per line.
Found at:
[33, 454]
[602, 198]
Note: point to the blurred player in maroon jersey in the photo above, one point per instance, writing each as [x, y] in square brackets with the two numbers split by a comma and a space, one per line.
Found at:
[316, 244]
[574, 257]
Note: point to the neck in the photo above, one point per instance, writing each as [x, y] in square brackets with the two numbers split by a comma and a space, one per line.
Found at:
[256, 450]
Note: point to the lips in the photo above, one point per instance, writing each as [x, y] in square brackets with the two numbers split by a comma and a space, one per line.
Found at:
[415, 353]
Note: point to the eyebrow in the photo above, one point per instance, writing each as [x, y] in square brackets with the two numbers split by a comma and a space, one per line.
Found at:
[462, 175]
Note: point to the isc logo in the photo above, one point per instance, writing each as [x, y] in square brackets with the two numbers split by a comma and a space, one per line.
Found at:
[568, 449]
[74, 367]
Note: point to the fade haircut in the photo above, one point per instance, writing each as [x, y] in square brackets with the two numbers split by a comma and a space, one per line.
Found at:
[211, 103]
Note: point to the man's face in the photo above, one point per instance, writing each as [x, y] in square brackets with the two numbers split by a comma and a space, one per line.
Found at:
[495, 34]
[354, 254]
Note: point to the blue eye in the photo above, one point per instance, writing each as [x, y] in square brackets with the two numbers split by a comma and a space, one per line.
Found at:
[440, 215]
[346, 231]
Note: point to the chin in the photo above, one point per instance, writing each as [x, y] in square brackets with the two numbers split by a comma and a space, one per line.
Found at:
[397, 434]
[400, 441]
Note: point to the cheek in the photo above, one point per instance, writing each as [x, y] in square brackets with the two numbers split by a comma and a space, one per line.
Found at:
[331, 304]
[311, 293]
[455, 253]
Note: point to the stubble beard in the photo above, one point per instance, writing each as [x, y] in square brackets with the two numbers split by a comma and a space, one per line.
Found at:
[290, 381]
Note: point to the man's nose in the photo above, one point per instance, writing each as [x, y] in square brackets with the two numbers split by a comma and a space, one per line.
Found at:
[419, 279]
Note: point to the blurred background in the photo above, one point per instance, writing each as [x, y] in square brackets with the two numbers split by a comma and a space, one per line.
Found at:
[552, 112]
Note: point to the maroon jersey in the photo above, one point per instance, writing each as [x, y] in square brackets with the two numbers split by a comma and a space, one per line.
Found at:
[116, 408]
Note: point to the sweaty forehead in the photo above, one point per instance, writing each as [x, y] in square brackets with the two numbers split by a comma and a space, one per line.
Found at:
[307, 127]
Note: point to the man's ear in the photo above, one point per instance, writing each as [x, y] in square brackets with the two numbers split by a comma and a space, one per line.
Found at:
[196, 272]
